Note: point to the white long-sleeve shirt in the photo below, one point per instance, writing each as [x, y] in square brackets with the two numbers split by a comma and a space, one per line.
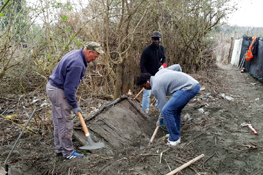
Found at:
[169, 80]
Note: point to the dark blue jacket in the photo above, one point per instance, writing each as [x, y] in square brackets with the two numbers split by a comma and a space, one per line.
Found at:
[152, 58]
[68, 74]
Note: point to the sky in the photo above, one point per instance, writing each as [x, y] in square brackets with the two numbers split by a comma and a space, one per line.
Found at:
[249, 13]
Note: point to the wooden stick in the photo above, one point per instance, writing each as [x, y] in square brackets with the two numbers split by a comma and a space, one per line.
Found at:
[154, 133]
[138, 94]
[162, 155]
[185, 165]
[242, 61]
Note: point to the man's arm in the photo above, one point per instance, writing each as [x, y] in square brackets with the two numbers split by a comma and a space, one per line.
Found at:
[164, 63]
[72, 81]
[161, 97]
[143, 62]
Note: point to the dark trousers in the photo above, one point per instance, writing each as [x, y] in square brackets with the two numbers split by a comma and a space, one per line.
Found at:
[62, 120]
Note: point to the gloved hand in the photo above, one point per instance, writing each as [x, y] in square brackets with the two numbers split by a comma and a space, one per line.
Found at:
[164, 65]
[76, 110]
[160, 120]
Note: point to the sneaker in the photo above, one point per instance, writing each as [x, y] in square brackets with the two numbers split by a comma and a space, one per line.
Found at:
[167, 136]
[75, 155]
[173, 143]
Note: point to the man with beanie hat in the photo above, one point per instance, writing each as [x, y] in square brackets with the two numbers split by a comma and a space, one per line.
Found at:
[61, 89]
[153, 58]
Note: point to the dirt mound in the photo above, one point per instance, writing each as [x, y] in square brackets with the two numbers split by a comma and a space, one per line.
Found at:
[119, 124]
[211, 125]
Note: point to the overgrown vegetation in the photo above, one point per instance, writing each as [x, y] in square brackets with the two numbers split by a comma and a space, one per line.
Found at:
[36, 35]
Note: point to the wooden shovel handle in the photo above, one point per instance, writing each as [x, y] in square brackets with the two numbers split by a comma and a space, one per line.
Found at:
[154, 133]
[83, 124]
[138, 94]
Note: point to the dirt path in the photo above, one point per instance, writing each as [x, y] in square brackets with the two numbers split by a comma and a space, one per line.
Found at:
[211, 125]
[229, 147]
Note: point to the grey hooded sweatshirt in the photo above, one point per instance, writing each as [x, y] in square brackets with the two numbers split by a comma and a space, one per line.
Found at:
[169, 80]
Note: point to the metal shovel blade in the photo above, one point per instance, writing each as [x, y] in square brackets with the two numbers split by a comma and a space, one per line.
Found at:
[91, 145]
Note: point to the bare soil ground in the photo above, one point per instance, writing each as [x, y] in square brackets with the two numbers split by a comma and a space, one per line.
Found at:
[211, 125]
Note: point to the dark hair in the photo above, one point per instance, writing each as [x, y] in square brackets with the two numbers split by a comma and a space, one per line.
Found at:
[143, 78]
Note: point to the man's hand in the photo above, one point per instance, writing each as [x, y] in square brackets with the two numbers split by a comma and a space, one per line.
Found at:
[160, 120]
[76, 110]
[164, 65]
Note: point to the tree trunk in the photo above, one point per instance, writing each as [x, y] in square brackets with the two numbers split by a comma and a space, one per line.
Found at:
[118, 84]
[128, 75]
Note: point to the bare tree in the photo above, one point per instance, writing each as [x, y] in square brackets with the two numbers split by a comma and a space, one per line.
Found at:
[124, 29]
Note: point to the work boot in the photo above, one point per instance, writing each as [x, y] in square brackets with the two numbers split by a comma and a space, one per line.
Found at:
[74, 155]
[59, 154]
[173, 143]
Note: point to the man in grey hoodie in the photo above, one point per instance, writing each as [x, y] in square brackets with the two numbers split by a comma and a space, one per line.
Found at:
[180, 86]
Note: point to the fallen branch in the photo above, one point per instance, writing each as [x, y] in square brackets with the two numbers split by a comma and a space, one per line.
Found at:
[149, 154]
[105, 158]
[209, 158]
[162, 154]
[185, 165]
[4, 111]
[27, 129]
[155, 154]
[168, 165]
[182, 162]
[7, 98]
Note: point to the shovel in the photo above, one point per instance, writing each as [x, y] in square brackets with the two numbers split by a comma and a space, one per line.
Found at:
[91, 145]
[153, 136]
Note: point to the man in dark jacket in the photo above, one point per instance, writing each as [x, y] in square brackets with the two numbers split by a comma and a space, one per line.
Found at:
[153, 58]
[61, 89]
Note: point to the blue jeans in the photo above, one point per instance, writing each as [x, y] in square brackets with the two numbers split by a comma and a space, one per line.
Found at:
[172, 111]
[146, 100]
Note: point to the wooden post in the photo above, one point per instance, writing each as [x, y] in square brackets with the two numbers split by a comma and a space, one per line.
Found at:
[230, 50]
